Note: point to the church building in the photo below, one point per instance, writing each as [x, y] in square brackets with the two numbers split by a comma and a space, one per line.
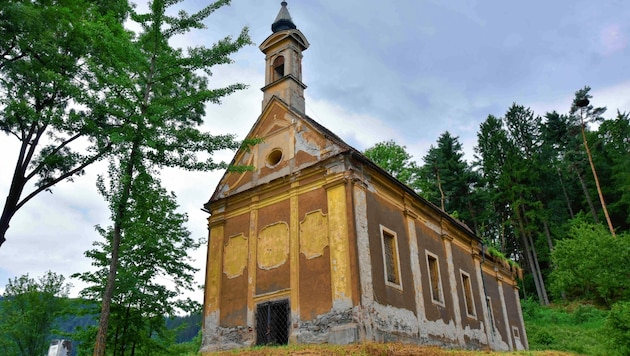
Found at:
[317, 244]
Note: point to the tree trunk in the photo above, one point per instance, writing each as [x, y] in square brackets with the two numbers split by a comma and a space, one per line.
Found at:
[101, 336]
[566, 196]
[533, 259]
[437, 173]
[587, 196]
[535, 255]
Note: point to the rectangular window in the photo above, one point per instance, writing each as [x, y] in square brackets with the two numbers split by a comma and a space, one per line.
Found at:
[468, 296]
[516, 333]
[391, 261]
[434, 278]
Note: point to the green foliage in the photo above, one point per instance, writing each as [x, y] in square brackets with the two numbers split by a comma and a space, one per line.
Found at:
[28, 310]
[395, 160]
[154, 248]
[448, 181]
[618, 328]
[156, 97]
[578, 329]
[592, 264]
[48, 88]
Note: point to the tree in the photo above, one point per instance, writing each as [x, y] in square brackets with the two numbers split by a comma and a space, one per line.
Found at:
[610, 149]
[591, 264]
[154, 249]
[28, 310]
[157, 99]
[445, 171]
[582, 102]
[395, 160]
[47, 52]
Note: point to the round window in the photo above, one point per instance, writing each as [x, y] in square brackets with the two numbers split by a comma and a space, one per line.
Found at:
[274, 157]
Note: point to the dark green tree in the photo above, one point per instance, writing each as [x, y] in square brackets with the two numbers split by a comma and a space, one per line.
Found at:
[28, 310]
[157, 98]
[47, 88]
[612, 150]
[491, 152]
[448, 181]
[395, 160]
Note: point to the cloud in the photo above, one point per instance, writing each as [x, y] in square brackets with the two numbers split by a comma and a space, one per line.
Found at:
[613, 39]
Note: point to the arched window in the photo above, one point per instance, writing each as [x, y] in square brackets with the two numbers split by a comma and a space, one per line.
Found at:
[278, 68]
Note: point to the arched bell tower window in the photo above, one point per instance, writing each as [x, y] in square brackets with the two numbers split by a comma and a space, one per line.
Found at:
[278, 68]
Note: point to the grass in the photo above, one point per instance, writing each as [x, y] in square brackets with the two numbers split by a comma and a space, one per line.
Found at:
[577, 328]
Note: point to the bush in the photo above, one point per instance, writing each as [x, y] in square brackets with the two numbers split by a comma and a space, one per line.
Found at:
[618, 328]
[592, 264]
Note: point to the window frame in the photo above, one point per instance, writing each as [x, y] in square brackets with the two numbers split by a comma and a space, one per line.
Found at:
[516, 333]
[388, 233]
[468, 294]
[438, 288]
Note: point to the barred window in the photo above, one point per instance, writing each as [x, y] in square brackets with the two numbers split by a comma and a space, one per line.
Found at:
[391, 261]
[434, 278]
[468, 296]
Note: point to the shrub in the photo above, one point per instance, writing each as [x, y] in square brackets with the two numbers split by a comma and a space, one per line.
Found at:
[591, 264]
[618, 328]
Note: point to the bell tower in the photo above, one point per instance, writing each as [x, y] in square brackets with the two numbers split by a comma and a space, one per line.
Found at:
[283, 62]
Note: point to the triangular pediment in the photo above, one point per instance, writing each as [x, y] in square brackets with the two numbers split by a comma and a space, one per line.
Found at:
[290, 142]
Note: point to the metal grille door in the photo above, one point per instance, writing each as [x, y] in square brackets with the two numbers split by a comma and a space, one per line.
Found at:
[272, 323]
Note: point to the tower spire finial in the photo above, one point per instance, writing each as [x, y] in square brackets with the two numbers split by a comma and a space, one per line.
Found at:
[283, 20]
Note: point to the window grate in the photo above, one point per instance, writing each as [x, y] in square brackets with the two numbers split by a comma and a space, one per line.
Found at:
[272, 323]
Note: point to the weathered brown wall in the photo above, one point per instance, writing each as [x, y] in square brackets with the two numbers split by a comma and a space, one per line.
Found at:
[380, 212]
[462, 260]
[234, 290]
[513, 311]
[492, 290]
[315, 289]
[429, 240]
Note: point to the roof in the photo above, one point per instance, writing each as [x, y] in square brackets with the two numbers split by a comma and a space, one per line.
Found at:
[283, 20]
[365, 160]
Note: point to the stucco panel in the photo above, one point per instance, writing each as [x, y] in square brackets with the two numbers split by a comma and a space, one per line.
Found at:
[275, 276]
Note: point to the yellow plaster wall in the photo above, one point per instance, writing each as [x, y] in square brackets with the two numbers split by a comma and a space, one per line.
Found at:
[339, 245]
[213, 273]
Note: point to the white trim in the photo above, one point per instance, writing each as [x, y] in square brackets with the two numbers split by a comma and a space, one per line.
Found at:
[396, 257]
[439, 301]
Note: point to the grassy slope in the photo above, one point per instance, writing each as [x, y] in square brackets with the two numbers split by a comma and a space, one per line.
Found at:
[577, 328]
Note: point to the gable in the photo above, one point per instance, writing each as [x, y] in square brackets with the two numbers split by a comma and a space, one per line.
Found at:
[290, 143]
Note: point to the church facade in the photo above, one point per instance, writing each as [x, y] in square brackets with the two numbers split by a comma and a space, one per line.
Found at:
[317, 244]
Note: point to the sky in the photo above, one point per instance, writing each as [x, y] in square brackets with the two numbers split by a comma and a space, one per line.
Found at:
[406, 70]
